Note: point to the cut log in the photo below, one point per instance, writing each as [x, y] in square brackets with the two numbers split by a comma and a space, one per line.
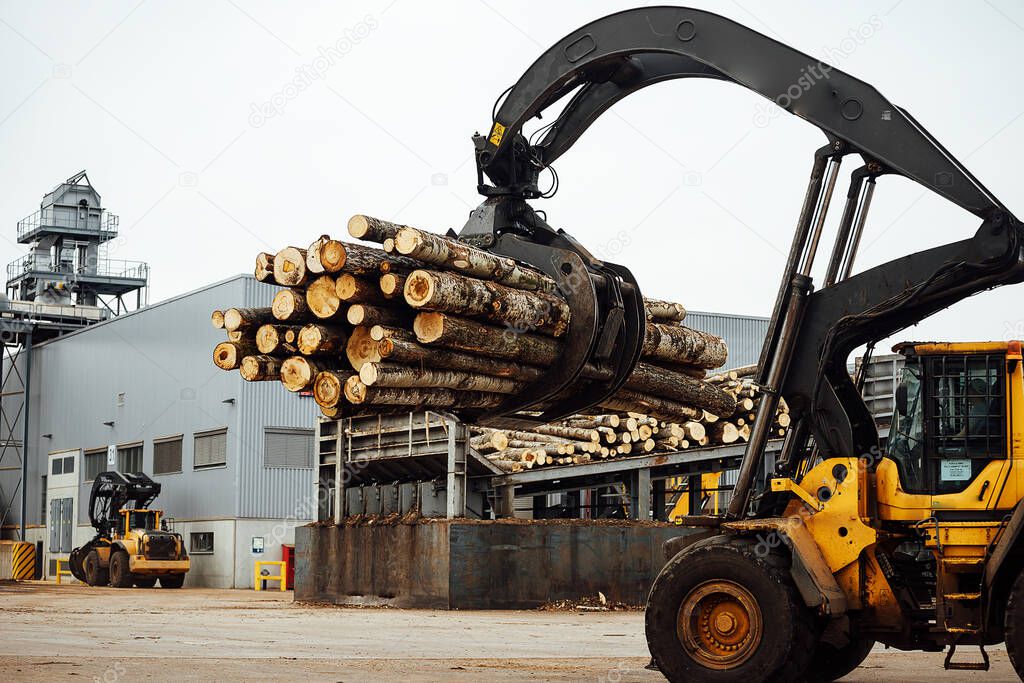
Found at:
[365, 314]
[708, 418]
[361, 349]
[333, 256]
[264, 267]
[236, 336]
[681, 388]
[411, 353]
[372, 229]
[389, 375]
[680, 344]
[365, 261]
[381, 332]
[453, 255]
[290, 267]
[451, 332]
[358, 393]
[783, 420]
[658, 310]
[260, 368]
[246, 318]
[271, 339]
[322, 298]
[461, 295]
[217, 320]
[289, 305]
[388, 245]
[313, 265]
[357, 290]
[329, 388]
[314, 339]
[695, 431]
[661, 408]
[723, 432]
[299, 372]
[392, 285]
[571, 433]
[593, 421]
[228, 355]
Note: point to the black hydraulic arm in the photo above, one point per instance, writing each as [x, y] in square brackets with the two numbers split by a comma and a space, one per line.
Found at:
[811, 333]
[113, 491]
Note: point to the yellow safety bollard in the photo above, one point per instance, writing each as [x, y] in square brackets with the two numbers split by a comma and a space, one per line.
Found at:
[62, 572]
[280, 578]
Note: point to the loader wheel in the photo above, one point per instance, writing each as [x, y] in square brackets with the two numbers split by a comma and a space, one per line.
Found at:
[95, 573]
[720, 611]
[144, 581]
[172, 580]
[1013, 626]
[832, 663]
[120, 570]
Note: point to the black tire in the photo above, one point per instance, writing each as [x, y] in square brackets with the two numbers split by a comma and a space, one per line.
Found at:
[95, 573]
[120, 570]
[767, 633]
[144, 581]
[832, 663]
[1013, 625]
[172, 580]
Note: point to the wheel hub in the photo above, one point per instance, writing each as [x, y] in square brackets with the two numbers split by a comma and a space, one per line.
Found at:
[719, 624]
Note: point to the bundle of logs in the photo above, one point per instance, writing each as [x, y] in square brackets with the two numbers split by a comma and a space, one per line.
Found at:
[427, 322]
[583, 438]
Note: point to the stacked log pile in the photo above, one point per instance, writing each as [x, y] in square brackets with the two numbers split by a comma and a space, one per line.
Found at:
[424, 321]
[585, 438]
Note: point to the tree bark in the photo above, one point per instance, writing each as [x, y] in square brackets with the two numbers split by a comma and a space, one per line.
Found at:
[290, 267]
[271, 339]
[687, 390]
[246, 318]
[260, 368]
[289, 305]
[684, 345]
[361, 349]
[389, 375]
[298, 373]
[448, 253]
[658, 310]
[571, 433]
[412, 353]
[322, 298]
[465, 335]
[392, 285]
[451, 293]
[228, 355]
[593, 421]
[314, 339]
[264, 267]
[358, 393]
[381, 332]
[366, 314]
[357, 290]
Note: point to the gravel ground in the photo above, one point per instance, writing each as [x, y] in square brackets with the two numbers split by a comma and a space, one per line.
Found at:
[110, 635]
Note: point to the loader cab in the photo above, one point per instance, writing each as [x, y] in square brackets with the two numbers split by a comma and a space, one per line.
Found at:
[953, 416]
[148, 520]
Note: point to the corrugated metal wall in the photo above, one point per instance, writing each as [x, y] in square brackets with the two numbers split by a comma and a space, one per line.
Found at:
[151, 374]
[744, 334]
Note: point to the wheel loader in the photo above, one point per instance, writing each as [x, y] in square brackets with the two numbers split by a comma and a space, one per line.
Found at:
[916, 545]
[132, 545]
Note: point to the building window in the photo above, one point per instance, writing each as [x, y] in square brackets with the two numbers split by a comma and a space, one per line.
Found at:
[167, 456]
[210, 449]
[129, 458]
[95, 462]
[57, 466]
[283, 447]
[201, 543]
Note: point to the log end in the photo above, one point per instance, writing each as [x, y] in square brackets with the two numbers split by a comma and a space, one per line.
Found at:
[217, 319]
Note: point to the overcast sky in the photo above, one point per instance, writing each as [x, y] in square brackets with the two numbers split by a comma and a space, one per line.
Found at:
[695, 185]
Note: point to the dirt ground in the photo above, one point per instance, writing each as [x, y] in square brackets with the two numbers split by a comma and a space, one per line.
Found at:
[111, 635]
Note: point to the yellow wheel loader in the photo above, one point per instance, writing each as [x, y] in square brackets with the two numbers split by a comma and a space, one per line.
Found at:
[132, 546]
[917, 544]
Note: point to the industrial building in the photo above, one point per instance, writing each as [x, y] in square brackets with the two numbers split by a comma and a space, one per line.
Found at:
[136, 391]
